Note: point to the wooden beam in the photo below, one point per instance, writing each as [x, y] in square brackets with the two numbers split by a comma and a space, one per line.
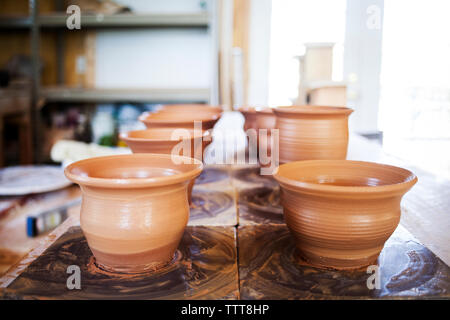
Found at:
[241, 27]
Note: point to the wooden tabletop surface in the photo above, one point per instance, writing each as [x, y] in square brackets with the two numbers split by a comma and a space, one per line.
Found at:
[14, 242]
[425, 208]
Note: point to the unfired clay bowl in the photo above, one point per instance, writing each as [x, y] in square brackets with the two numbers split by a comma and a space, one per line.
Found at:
[312, 132]
[164, 140]
[249, 114]
[134, 208]
[192, 108]
[182, 116]
[265, 118]
[342, 212]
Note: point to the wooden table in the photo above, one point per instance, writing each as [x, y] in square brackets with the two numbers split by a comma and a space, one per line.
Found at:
[261, 261]
[425, 208]
[14, 242]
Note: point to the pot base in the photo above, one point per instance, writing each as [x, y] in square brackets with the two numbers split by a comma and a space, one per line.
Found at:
[141, 262]
[329, 263]
[139, 269]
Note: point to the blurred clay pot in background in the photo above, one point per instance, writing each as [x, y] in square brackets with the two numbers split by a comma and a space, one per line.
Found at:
[265, 119]
[312, 132]
[202, 109]
[135, 207]
[249, 114]
[182, 116]
[342, 212]
[164, 140]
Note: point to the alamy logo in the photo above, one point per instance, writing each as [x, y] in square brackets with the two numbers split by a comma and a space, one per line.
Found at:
[73, 21]
[374, 17]
[263, 148]
[74, 280]
[374, 281]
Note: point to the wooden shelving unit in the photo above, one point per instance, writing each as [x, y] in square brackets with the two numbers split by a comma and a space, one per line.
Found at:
[15, 22]
[57, 20]
[35, 23]
[108, 95]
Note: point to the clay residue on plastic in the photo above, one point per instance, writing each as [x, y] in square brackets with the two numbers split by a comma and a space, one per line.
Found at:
[249, 177]
[206, 268]
[209, 175]
[270, 268]
[213, 199]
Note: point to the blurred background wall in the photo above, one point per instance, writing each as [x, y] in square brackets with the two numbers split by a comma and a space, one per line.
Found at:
[386, 59]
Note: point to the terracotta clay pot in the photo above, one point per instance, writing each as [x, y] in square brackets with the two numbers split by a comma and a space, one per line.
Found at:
[182, 116]
[342, 212]
[249, 114]
[265, 119]
[312, 132]
[135, 207]
[192, 108]
[164, 140]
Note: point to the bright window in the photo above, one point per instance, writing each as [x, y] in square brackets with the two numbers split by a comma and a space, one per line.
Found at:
[295, 22]
[415, 82]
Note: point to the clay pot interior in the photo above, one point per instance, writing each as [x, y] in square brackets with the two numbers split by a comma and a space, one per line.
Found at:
[135, 207]
[163, 140]
[342, 212]
[312, 132]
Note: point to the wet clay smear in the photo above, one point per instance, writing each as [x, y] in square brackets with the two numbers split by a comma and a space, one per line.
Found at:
[260, 205]
[204, 267]
[258, 197]
[270, 268]
[213, 208]
[213, 199]
[211, 174]
[249, 177]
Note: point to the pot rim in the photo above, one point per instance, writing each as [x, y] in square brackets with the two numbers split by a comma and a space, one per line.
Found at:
[166, 107]
[247, 109]
[311, 110]
[320, 188]
[126, 183]
[146, 117]
[125, 136]
[264, 111]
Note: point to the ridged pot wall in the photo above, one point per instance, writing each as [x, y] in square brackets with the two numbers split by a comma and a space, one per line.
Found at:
[136, 229]
[134, 208]
[340, 212]
[162, 141]
[312, 132]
